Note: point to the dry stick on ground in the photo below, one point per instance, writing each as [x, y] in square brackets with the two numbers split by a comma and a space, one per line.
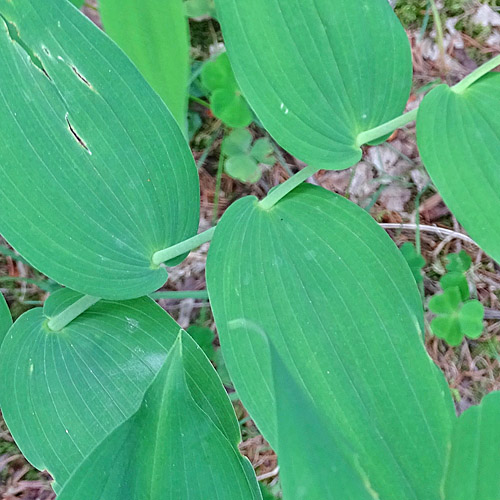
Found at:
[444, 233]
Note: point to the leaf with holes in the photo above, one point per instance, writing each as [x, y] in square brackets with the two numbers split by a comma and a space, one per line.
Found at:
[317, 73]
[458, 135]
[91, 188]
[226, 101]
[328, 287]
[63, 392]
[5, 318]
[155, 35]
[171, 448]
[472, 472]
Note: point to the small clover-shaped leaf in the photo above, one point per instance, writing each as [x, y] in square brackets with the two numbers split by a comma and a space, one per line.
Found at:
[243, 159]
[227, 102]
[237, 142]
[263, 151]
[456, 319]
[471, 319]
[458, 280]
[415, 261]
[446, 302]
[459, 262]
[243, 168]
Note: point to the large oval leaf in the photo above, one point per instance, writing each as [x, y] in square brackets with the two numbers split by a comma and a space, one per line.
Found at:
[319, 72]
[459, 141]
[155, 35]
[96, 174]
[474, 458]
[5, 318]
[330, 289]
[314, 463]
[63, 392]
[170, 449]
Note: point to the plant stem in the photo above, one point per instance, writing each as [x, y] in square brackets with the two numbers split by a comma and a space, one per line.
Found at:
[218, 182]
[182, 247]
[57, 323]
[206, 151]
[386, 128]
[440, 231]
[439, 35]
[199, 101]
[488, 66]
[283, 189]
[178, 295]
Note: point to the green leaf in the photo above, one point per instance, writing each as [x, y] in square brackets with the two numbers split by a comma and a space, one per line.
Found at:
[459, 139]
[319, 72]
[63, 393]
[96, 174]
[199, 8]
[155, 35]
[170, 448]
[204, 337]
[263, 151]
[446, 302]
[77, 3]
[243, 168]
[344, 312]
[471, 319]
[312, 461]
[458, 262]
[243, 158]
[454, 279]
[226, 101]
[237, 142]
[456, 318]
[5, 318]
[472, 472]
[414, 260]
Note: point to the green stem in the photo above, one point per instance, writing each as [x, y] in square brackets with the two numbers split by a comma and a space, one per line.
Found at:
[439, 34]
[182, 247]
[386, 128]
[206, 151]
[183, 294]
[199, 101]
[488, 66]
[218, 183]
[57, 323]
[283, 189]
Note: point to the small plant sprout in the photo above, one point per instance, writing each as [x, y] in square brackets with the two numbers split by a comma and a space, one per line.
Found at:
[243, 159]
[415, 260]
[226, 99]
[458, 316]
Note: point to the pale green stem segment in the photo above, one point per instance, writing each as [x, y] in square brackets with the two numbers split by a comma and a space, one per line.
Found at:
[439, 33]
[57, 323]
[401, 121]
[182, 247]
[181, 294]
[386, 128]
[462, 86]
[283, 189]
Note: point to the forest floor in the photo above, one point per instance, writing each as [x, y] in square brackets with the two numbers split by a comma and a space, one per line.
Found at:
[390, 182]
